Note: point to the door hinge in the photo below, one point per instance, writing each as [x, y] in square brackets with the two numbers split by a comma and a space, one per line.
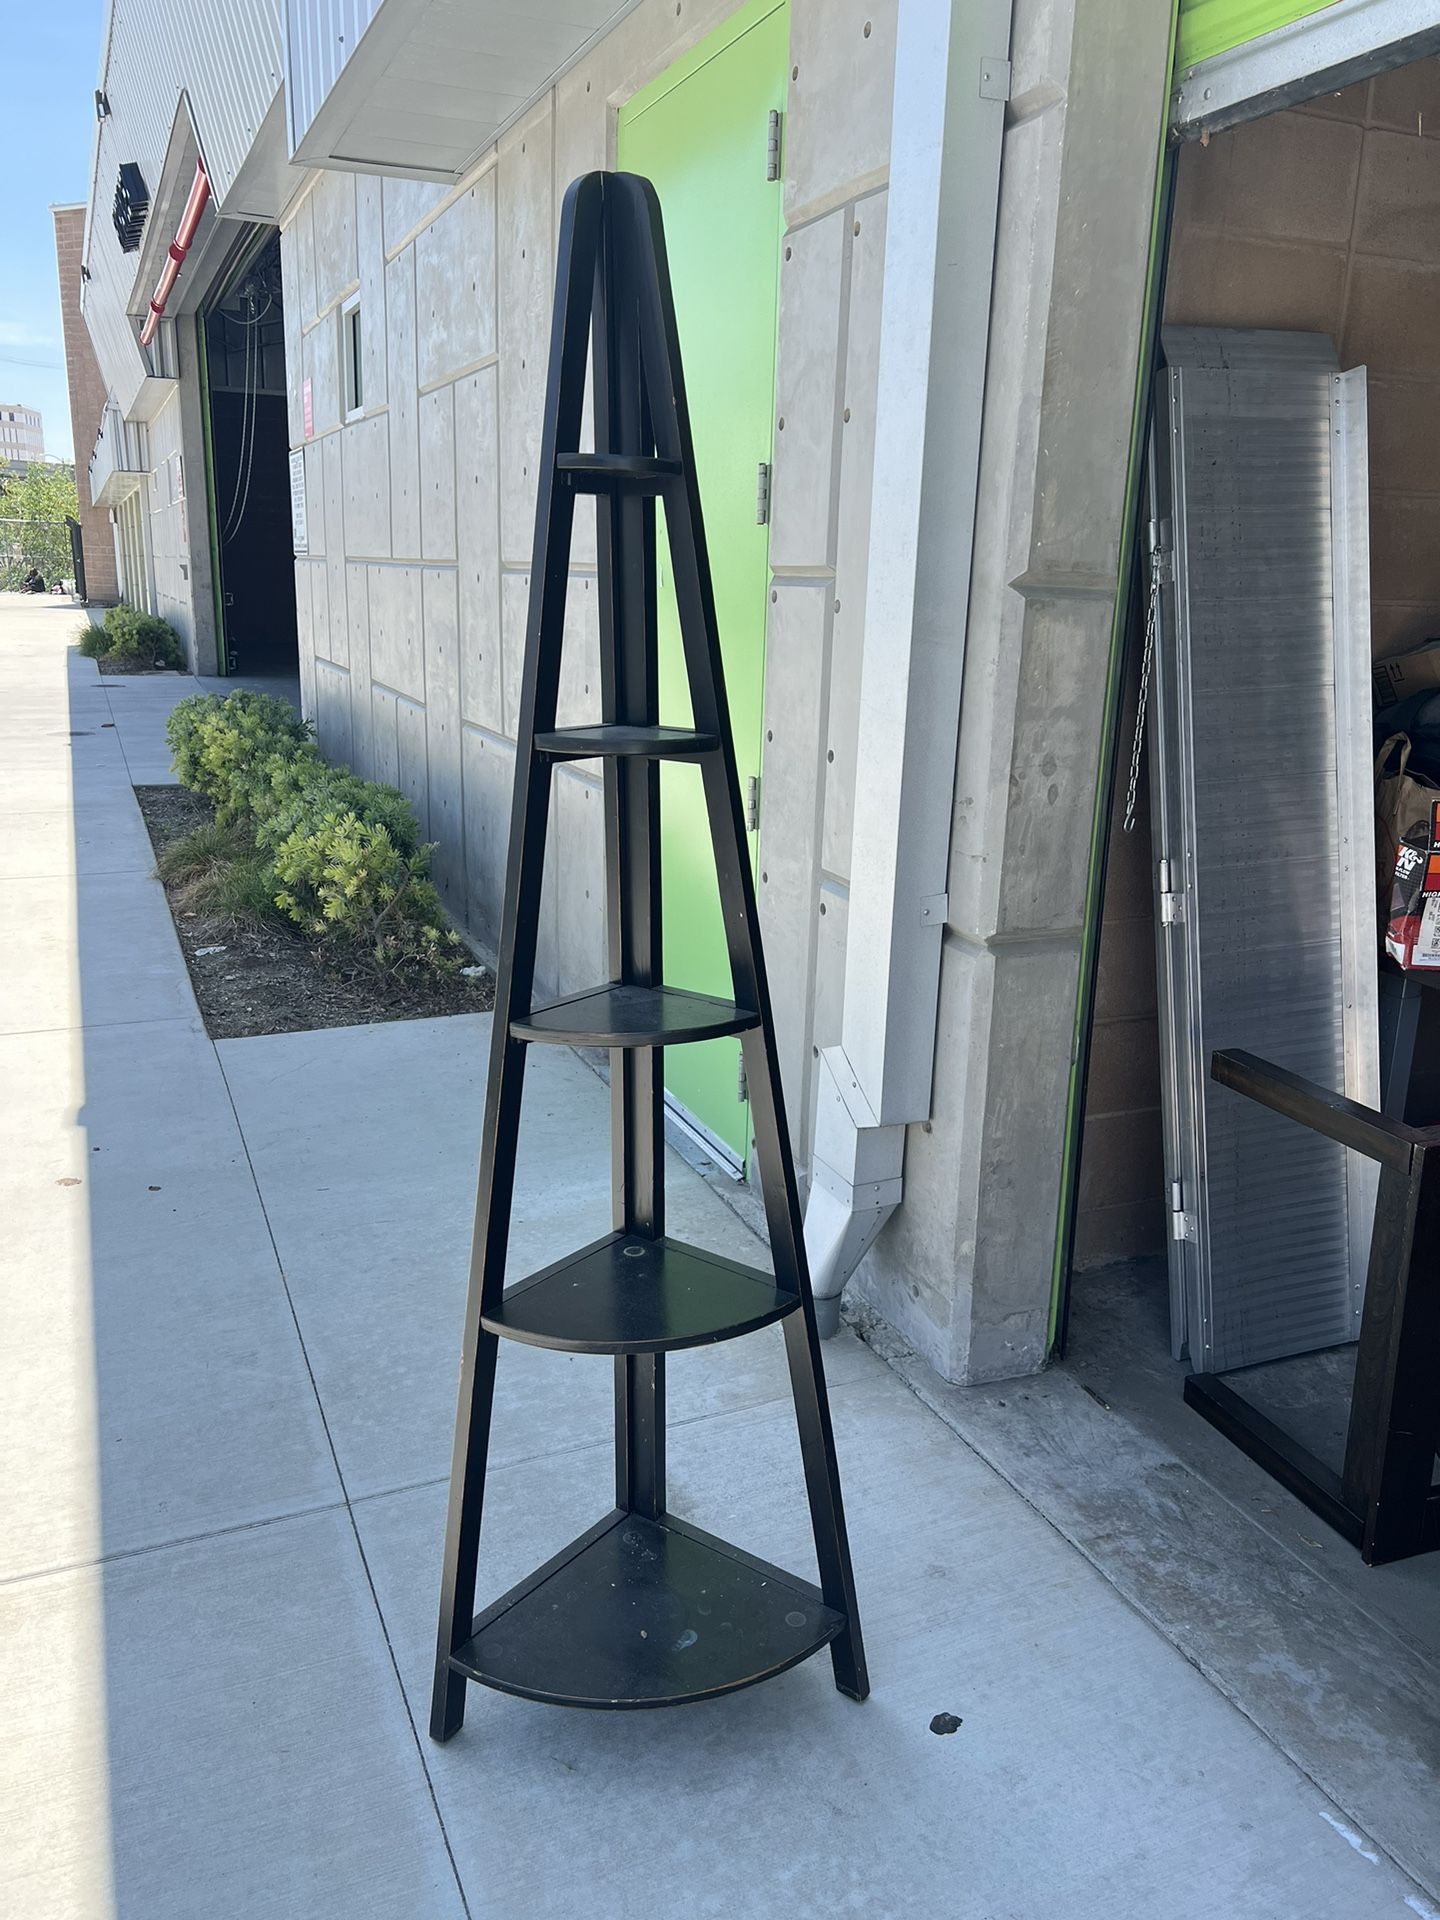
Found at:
[1182, 1224]
[772, 145]
[1172, 902]
[752, 803]
[1162, 550]
[762, 494]
[742, 1085]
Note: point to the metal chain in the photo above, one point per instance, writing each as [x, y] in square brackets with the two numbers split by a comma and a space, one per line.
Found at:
[1152, 615]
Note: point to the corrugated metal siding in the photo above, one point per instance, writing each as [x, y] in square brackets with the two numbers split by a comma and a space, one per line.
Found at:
[227, 60]
[1208, 27]
[320, 36]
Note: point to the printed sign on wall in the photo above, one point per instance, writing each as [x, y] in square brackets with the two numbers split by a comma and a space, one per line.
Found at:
[298, 526]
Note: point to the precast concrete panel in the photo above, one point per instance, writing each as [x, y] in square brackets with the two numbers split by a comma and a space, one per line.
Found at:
[315, 498]
[437, 474]
[320, 358]
[338, 649]
[305, 628]
[397, 657]
[577, 824]
[852, 538]
[337, 270]
[319, 609]
[1059, 701]
[489, 766]
[384, 735]
[357, 600]
[294, 349]
[413, 778]
[370, 262]
[837, 140]
[477, 520]
[514, 607]
[302, 232]
[332, 712]
[365, 460]
[806, 386]
[578, 703]
[455, 285]
[795, 649]
[404, 205]
[525, 215]
[402, 404]
[440, 610]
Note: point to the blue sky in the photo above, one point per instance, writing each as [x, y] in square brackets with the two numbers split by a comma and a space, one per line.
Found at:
[51, 59]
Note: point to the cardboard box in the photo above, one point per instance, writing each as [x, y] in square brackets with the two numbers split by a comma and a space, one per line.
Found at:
[1404, 674]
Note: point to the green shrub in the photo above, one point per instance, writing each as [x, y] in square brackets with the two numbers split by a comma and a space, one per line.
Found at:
[337, 855]
[297, 788]
[133, 638]
[221, 745]
[340, 876]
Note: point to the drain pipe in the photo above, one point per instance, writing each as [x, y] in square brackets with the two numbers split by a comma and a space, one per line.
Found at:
[179, 247]
[952, 81]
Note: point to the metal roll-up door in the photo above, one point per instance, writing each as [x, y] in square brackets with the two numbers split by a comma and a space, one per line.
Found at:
[1263, 834]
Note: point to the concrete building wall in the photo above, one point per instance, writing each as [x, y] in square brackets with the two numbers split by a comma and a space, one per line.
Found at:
[965, 1267]
[86, 386]
[22, 436]
[420, 509]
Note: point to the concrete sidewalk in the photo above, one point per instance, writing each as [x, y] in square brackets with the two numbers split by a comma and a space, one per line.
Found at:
[232, 1294]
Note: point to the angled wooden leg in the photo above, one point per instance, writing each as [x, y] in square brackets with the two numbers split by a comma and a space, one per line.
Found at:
[579, 241]
[457, 1607]
[695, 604]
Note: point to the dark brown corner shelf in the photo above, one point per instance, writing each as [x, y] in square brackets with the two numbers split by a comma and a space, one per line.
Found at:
[627, 1016]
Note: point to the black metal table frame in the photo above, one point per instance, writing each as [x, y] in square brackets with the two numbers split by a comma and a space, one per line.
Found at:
[1383, 1500]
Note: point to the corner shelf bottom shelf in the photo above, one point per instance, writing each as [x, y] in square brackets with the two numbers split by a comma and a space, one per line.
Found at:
[645, 1613]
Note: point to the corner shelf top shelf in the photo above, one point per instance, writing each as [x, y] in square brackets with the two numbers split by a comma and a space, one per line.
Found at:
[624, 743]
[630, 1294]
[645, 1613]
[627, 1016]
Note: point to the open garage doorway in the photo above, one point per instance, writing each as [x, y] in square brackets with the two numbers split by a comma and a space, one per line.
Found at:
[242, 342]
[1287, 547]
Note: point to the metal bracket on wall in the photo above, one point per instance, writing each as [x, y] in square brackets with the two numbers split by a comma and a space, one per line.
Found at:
[994, 79]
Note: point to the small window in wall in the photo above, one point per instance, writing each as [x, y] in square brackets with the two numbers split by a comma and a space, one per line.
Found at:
[352, 358]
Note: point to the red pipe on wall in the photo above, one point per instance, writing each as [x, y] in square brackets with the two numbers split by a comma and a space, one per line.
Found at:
[179, 247]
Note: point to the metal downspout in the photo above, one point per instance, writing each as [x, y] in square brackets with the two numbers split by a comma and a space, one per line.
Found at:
[179, 247]
[952, 81]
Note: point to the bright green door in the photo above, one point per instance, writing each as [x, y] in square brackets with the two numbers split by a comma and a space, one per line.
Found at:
[700, 133]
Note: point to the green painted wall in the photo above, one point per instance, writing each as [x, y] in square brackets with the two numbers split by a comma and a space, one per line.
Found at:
[699, 132]
[1208, 27]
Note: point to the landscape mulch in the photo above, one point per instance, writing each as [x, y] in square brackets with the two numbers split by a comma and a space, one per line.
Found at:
[250, 980]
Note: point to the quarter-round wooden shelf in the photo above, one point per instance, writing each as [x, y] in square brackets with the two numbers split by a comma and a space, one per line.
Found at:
[624, 743]
[626, 1016]
[629, 1294]
[645, 1613]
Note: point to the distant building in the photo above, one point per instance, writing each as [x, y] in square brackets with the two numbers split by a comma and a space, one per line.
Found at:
[22, 439]
[87, 403]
